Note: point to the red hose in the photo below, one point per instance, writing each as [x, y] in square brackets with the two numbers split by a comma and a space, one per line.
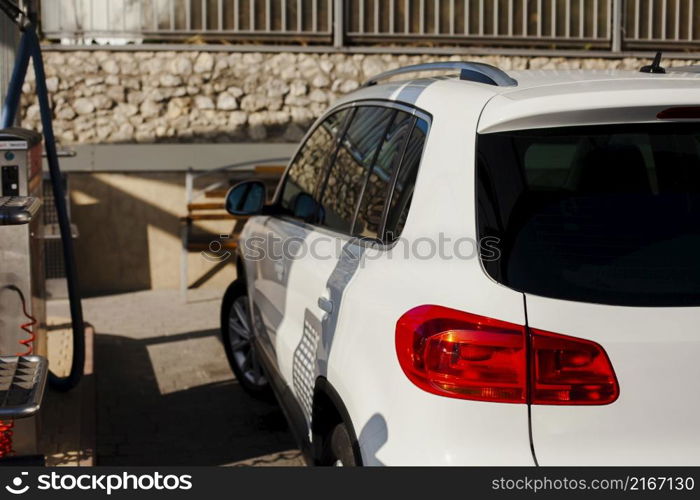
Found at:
[6, 437]
[27, 327]
[7, 425]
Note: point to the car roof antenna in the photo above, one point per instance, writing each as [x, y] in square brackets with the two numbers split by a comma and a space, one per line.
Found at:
[655, 66]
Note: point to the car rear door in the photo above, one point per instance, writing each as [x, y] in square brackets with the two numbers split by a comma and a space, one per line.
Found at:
[655, 353]
[600, 228]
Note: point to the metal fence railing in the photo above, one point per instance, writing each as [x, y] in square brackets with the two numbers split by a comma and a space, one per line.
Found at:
[603, 24]
[668, 22]
[576, 22]
[168, 20]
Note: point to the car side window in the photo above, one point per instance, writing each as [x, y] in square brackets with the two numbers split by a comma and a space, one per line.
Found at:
[298, 197]
[378, 183]
[356, 154]
[400, 201]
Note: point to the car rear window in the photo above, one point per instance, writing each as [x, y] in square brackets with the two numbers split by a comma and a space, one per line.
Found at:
[605, 214]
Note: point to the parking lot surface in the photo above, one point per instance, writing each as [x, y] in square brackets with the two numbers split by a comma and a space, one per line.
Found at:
[165, 393]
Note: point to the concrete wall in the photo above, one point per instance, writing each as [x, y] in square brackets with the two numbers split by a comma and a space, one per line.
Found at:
[130, 233]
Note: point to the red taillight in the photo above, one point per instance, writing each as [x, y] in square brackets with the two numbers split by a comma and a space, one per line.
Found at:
[461, 355]
[570, 371]
[452, 353]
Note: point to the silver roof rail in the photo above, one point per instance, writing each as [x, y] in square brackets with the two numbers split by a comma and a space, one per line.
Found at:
[472, 71]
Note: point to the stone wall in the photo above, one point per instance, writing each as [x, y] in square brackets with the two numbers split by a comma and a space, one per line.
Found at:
[190, 96]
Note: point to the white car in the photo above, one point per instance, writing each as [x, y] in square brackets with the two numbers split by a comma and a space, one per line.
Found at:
[484, 269]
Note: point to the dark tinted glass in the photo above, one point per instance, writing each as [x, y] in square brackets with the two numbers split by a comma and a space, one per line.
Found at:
[606, 214]
[378, 183]
[246, 198]
[405, 182]
[357, 151]
[308, 168]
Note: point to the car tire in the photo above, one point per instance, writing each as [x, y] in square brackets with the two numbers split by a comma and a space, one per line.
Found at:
[339, 449]
[236, 335]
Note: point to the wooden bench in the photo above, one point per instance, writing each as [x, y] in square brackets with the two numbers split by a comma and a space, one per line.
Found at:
[211, 208]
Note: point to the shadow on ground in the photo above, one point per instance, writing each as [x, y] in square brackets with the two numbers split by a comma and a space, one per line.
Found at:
[211, 424]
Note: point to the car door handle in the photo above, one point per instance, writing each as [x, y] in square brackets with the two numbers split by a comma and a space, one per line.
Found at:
[325, 304]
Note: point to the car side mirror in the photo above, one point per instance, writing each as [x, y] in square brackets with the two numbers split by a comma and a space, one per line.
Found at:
[246, 198]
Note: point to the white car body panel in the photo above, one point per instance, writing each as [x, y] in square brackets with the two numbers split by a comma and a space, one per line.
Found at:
[653, 351]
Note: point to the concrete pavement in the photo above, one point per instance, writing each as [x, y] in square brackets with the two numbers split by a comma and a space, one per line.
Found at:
[165, 393]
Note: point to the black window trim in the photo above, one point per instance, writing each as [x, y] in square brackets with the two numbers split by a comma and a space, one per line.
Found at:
[415, 112]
